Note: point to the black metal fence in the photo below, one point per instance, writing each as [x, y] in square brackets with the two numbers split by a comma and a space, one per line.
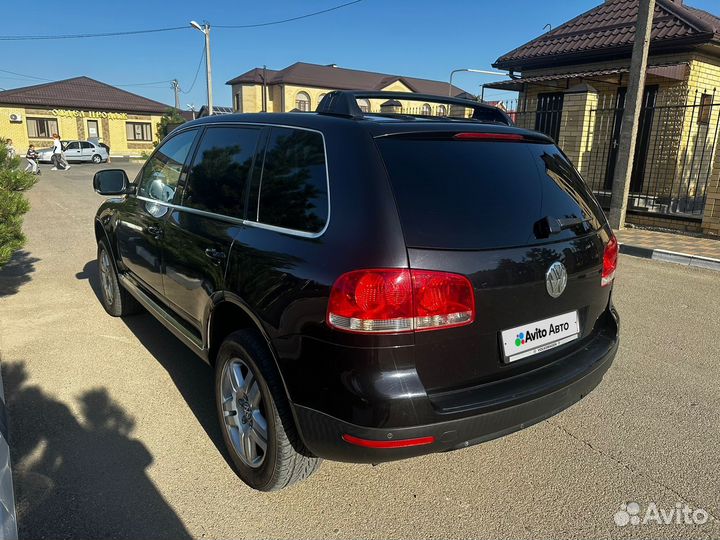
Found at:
[676, 147]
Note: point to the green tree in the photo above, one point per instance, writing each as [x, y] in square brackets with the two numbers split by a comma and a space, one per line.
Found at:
[169, 121]
[13, 204]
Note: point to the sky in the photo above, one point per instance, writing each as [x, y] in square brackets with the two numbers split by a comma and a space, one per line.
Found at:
[420, 38]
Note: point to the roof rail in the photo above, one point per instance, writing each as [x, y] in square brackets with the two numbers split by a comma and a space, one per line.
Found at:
[344, 103]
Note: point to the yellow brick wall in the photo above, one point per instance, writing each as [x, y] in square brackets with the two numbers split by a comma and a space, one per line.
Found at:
[110, 131]
[705, 78]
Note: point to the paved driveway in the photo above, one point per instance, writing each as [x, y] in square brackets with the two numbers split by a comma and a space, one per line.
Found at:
[114, 433]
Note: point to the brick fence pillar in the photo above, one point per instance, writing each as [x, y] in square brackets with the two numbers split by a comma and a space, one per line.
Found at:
[578, 123]
[711, 212]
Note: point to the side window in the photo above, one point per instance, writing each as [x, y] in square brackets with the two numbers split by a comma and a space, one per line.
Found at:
[73, 146]
[161, 173]
[293, 188]
[86, 145]
[221, 170]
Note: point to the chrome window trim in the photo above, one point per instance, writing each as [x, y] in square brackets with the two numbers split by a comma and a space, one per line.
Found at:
[256, 224]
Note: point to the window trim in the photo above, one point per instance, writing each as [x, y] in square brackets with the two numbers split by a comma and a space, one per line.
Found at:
[133, 123]
[46, 119]
[239, 221]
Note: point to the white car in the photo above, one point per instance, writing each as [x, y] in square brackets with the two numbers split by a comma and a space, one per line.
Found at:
[77, 151]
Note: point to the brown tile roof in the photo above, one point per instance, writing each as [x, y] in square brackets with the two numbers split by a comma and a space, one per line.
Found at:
[609, 29]
[81, 93]
[303, 74]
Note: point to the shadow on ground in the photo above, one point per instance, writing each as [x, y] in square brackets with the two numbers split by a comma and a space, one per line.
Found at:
[193, 378]
[16, 273]
[80, 476]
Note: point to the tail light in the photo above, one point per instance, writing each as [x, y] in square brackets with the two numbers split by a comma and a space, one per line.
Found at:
[610, 261]
[400, 300]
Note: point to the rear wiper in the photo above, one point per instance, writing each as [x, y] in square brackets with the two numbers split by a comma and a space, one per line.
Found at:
[551, 225]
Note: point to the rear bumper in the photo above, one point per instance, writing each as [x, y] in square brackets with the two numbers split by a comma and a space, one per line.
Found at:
[322, 433]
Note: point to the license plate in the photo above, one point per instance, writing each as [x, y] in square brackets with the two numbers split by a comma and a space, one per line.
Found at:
[533, 338]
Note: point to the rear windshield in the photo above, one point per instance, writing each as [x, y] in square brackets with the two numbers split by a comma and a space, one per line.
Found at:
[480, 195]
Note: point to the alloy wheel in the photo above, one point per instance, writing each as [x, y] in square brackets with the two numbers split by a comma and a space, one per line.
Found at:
[243, 415]
[106, 277]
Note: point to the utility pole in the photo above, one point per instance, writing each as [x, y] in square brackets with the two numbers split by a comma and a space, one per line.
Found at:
[631, 115]
[205, 29]
[175, 84]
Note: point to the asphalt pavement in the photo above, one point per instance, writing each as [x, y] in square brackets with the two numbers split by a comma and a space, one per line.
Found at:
[114, 435]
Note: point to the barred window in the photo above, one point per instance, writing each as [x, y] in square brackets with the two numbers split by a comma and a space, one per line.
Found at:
[41, 128]
[138, 131]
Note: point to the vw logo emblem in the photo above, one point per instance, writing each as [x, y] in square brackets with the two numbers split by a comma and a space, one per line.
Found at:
[556, 279]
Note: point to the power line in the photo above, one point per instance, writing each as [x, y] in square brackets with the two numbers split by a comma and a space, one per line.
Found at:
[287, 20]
[169, 29]
[34, 77]
[23, 75]
[103, 34]
[197, 71]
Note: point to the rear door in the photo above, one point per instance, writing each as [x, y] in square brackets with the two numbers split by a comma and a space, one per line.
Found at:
[481, 208]
[86, 150]
[201, 229]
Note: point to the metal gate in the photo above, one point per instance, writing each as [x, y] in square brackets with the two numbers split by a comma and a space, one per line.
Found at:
[676, 149]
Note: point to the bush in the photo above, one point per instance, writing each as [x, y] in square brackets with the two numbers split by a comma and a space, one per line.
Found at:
[169, 121]
[13, 204]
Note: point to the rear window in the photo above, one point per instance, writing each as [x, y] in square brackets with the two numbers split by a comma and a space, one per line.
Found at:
[480, 195]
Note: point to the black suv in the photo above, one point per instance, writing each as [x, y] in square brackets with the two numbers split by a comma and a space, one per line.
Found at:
[368, 287]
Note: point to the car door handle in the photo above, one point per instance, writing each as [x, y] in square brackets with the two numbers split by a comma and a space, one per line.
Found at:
[155, 231]
[215, 254]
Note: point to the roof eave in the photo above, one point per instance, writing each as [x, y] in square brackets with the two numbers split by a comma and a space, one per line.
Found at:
[611, 53]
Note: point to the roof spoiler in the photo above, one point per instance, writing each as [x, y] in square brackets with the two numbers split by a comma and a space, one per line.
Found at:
[344, 103]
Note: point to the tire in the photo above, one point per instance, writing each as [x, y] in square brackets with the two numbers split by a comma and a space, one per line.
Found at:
[249, 395]
[96, 158]
[117, 301]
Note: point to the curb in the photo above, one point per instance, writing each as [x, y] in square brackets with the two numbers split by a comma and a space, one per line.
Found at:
[685, 259]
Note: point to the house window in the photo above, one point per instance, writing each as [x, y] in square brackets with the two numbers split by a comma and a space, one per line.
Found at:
[364, 105]
[41, 128]
[302, 102]
[442, 110]
[426, 109]
[139, 131]
[238, 103]
[705, 111]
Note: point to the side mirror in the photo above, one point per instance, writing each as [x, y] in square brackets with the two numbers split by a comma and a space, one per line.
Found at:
[111, 182]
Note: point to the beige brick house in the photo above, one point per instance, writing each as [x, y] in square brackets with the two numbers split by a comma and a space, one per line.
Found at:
[80, 108]
[301, 86]
[572, 83]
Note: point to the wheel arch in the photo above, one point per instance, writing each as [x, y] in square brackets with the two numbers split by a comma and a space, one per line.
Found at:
[228, 313]
[102, 234]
